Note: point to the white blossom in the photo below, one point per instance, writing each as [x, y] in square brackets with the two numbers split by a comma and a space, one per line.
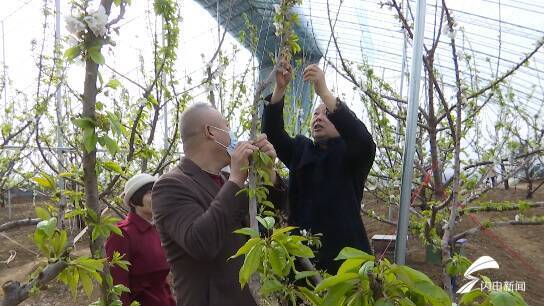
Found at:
[72, 41]
[74, 25]
[97, 20]
[208, 86]
[277, 8]
[221, 69]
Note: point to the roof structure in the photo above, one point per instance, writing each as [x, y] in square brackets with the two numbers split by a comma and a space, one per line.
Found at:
[495, 34]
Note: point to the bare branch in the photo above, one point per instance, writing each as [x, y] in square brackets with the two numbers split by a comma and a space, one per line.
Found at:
[509, 72]
[15, 292]
[17, 223]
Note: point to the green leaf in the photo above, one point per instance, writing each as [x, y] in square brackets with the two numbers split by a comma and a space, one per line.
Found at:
[277, 259]
[335, 280]
[95, 233]
[503, 298]
[89, 139]
[45, 181]
[270, 285]
[247, 246]
[282, 230]
[348, 253]
[300, 250]
[73, 213]
[366, 268]
[251, 264]
[247, 231]
[73, 280]
[96, 56]
[113, 84]
[266, 222]
[121, 288]
[384, 302]
[90, 264]
[42, 213]
[116, 126]
[110, 144]
[118, 261]
[336, 295]
[407, 302]
[305, 274]
[86, 282]
[268, 204]
[112, 166]
[270, 222]
[114, 229]
[350, 265]
[59, 242]
[72, 53]
[310, 296]
[421, 284]
[84, 123]
[355, 299]
[471, 297]
[47, 226]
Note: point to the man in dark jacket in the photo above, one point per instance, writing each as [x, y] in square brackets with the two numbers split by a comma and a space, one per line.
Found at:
[326, 175]
[196, 209]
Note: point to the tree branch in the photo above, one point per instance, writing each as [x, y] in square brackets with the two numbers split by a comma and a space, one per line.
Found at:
[17, 223]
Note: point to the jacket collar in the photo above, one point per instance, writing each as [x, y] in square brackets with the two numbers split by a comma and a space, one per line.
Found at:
[312, 153]
[200, 176]
[141, 224]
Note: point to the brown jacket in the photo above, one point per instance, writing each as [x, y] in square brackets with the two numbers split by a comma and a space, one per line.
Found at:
[195, 220]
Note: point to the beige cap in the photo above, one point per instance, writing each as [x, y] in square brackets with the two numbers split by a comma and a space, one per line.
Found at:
[136, 182]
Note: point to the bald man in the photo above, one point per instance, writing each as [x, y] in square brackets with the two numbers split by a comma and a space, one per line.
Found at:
[196, 209]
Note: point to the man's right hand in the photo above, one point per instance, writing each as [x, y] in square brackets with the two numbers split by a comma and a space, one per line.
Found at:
[239, 160]
[284, 73]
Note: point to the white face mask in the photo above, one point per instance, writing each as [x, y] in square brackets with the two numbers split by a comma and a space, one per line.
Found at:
[233, 141]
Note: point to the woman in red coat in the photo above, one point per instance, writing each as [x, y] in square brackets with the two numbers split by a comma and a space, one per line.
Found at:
[148, 270]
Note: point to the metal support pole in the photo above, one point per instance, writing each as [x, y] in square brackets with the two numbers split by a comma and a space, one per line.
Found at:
[163, 79]
[411, 129]
[5, 72]
[58, 98]
[9, 203]
[401, 92]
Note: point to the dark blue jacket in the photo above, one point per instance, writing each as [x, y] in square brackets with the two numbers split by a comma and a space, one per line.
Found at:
[326, 185]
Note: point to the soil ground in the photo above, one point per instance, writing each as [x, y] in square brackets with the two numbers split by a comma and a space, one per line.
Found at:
[519, 250]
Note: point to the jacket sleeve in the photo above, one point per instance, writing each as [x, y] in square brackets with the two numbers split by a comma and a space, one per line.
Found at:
[273, 127]
[120, 244]
[201, 232]
[353, 131]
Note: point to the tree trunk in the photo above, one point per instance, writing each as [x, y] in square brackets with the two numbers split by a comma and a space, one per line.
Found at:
[529, 182]
[503, 170]
[435, 167]
[90, 179]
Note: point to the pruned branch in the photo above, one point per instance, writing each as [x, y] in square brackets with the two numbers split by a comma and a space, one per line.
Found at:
[509, 72]
[485, 163]
[15, 292]
[480, 227]
[512, 207]
[17, 223]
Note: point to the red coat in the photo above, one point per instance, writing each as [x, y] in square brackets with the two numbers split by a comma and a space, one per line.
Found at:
[147, 273]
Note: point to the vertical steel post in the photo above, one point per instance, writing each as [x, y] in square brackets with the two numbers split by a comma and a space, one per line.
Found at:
[411, 129]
